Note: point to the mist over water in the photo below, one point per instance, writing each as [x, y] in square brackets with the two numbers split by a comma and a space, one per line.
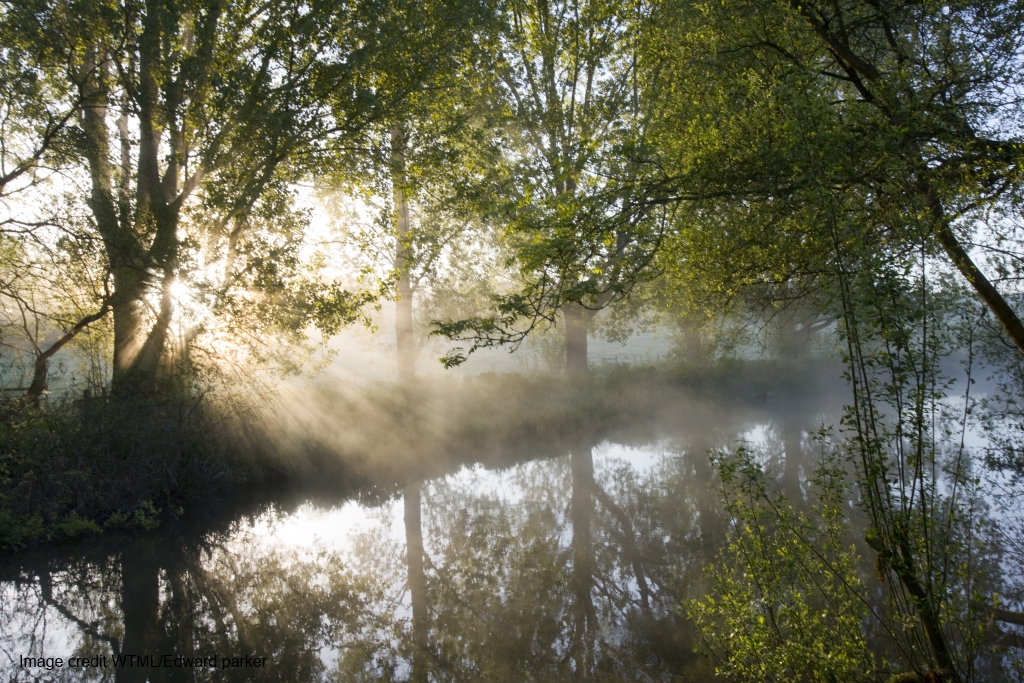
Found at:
[501, 527]
[463, 553]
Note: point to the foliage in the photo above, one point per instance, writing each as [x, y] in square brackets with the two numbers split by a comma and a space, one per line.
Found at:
[830, 158]
[787, 601]
[568, 108]
[792, 120]
[851, 169]
[187, 126]
[919, 484]
[915, 480]
[78, 467]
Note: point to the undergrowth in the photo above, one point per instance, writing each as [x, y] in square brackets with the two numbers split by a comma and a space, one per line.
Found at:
[78, 467]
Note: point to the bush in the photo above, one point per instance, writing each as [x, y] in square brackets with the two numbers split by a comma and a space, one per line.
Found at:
[787, 602]
[75, 467]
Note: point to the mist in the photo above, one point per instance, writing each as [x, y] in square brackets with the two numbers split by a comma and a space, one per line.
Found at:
[519, 341]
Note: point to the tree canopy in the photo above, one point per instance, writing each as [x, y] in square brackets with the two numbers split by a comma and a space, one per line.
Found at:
[758, 149]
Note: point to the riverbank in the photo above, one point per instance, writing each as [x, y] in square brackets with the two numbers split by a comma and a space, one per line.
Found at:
[84, 467]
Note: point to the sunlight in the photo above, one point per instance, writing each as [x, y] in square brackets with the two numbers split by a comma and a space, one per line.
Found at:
[181, 291]
[523, 340]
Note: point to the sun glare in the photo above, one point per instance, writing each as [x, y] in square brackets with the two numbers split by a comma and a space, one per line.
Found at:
[181, 291]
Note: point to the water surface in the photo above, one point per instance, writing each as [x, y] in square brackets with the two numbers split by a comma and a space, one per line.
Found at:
[545, 569]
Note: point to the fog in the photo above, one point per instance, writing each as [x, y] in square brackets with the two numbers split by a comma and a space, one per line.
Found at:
[561, 523]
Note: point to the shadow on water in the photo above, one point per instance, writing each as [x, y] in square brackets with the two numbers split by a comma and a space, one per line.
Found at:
[562, 566]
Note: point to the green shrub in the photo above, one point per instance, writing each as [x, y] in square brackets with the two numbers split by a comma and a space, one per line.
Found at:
[75, 467]
[787, 601]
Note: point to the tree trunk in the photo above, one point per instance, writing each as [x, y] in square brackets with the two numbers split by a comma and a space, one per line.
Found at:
[146, 366]
[121, 244]
[41, 367]
[417, 581]
[131, 260]
[127, 323]
[404, 341]
[156, 211]
[791, 340]
[692, 341]
[576, 319]
[138, 352]
[995, 301]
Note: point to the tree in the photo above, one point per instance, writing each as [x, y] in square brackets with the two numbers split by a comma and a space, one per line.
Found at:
[418, 159]
[566, 76]
[38, 112]
[909, 112]
[192, 121]
[50, 292]
[843, 155]
[46, 291]
[943, 83]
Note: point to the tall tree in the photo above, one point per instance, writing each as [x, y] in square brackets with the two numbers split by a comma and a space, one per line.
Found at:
[844, 155]
[193, 120]
[422, 153]
[900, 120]
[566, 73]
[50, 289]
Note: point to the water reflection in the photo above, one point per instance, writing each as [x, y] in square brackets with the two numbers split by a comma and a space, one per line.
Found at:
[417, 581]
[568, 568]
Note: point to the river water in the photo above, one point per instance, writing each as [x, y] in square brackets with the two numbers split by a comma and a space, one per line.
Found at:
[545, 569]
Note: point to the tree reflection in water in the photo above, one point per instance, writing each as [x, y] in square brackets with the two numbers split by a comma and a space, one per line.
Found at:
[570, 568]
[548, 573]
[417, 581]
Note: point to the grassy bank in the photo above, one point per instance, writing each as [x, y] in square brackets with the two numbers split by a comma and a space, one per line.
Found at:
[84, 466]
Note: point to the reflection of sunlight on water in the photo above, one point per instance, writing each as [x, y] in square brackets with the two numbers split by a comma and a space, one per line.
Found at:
[756, 436]
[520, 523]
[643, 459]
[482, 482]
[333, 529]
[337, 529]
